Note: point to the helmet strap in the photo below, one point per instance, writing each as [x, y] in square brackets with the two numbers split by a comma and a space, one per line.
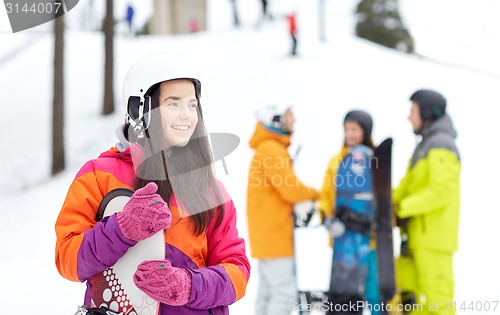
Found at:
[143, 119]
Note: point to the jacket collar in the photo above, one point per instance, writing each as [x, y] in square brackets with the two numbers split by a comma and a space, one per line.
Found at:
[262, 133]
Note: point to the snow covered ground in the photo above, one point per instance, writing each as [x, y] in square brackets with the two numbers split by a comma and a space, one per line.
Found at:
[241, 69]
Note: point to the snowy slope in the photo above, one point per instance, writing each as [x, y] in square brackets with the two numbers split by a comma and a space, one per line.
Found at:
[240, 69]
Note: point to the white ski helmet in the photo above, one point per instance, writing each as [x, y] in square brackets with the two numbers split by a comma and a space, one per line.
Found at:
[273, 115]
[145, 74]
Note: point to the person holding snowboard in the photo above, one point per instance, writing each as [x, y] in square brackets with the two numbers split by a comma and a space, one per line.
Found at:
[357, 131]
[426, 203]
[164, 155]
[273, 190]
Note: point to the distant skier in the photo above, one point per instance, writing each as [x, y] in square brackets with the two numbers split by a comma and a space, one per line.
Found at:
[357, 131]
[194, 25]
[265, 10]
[129, 17]
[292, 28]
[266, 15]
[273, 189]
[427, 205]
[236, 19]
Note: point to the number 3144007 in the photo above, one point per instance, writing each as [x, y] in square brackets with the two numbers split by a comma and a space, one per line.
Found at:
[485, 306]
[34, 8]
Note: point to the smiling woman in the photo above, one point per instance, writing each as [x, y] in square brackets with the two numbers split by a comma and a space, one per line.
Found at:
[164, 155]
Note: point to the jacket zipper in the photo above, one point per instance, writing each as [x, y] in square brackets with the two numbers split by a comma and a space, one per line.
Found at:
[424, 227]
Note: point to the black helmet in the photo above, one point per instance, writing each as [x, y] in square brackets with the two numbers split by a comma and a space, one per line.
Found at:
[431, 103]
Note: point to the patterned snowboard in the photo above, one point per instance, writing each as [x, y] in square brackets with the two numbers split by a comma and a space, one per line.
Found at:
[114, 287]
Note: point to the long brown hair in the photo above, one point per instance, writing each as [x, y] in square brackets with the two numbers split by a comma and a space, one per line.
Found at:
[187, 170]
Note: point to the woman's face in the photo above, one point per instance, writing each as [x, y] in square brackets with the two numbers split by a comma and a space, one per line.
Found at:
[178, 111]
[353, 133]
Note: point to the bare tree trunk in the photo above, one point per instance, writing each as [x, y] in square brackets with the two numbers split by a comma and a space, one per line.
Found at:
[236, 19]
[321, 20]
[109, 95]
[58, 161]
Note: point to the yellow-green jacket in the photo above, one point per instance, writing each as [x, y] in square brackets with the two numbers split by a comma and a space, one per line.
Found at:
[429, 193]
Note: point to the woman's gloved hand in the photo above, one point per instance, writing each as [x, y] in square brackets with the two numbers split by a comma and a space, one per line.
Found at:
[144, 215]
[164, 283]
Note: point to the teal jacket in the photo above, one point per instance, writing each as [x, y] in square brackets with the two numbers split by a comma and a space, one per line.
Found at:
[429, 193]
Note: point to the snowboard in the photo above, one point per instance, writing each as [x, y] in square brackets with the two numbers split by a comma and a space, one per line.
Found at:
[381, 174]
[114, 287]
[351, 247]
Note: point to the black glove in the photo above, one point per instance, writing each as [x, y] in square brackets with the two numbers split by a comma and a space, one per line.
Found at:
[408, 298]
[355, 221]
[303, 221]
[402, 222]
[404, 250]
[322, 217]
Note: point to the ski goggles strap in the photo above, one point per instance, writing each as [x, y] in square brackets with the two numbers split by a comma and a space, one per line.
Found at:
[139, 114]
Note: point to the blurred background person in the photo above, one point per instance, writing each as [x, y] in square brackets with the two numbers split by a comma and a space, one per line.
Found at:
[273, 189]
[129, 17]
[427, 204]
[292, 29]
[358, 127]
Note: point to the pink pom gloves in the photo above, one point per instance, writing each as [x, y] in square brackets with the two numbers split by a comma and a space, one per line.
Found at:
[164, 283]
[144, 215]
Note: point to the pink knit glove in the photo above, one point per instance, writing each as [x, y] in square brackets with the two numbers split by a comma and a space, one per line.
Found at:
[144, 214]
[164, 283]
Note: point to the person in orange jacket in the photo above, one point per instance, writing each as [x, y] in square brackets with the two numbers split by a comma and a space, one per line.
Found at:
[273, 190]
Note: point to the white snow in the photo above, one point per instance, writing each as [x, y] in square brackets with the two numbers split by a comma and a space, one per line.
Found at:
[241, 69]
